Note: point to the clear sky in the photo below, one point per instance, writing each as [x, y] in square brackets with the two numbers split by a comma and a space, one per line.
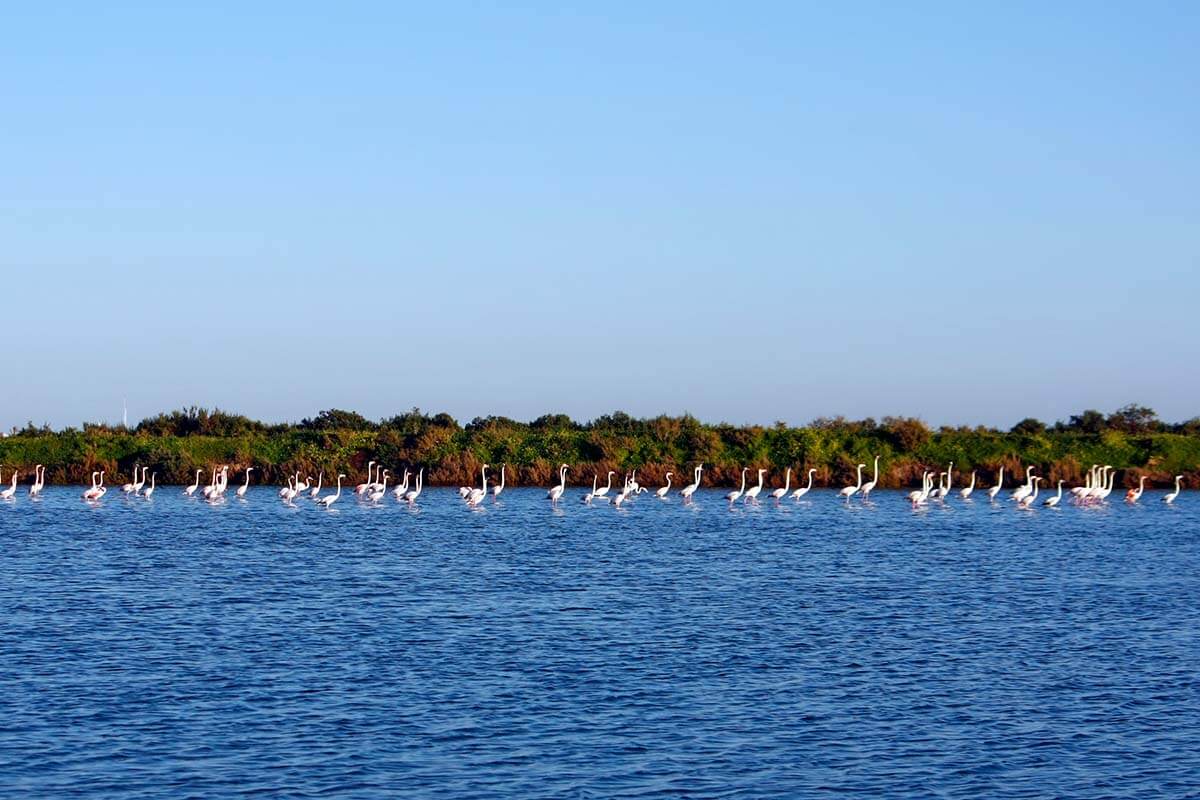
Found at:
[752, 212]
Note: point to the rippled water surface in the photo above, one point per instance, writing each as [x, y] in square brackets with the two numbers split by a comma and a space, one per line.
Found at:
[170, 648]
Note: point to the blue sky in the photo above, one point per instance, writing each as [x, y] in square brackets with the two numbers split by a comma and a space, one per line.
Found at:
[769, 212]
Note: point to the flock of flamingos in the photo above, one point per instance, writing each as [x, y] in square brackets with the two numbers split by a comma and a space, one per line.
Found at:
[1098, 485]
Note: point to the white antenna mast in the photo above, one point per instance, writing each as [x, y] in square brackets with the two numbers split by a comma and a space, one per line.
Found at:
[124, 413]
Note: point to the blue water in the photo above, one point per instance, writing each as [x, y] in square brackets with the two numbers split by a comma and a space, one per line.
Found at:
[175, 649]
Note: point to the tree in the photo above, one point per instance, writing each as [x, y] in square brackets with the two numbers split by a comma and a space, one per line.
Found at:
[1134, 419]
[905, 433]
[337, 419]
[1090, 421]
[1029, 427]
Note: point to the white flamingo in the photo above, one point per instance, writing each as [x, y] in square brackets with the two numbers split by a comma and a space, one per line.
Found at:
[329, 499]
[400, 490]
[665, 490]
[633, 483]
[848, 491]
[39, 481]
[376, 494]
[691, 488]
[131, 487]
[557, 491]
[869, 486]
[11, 491]
[734, 495]
[1170, 496]
[149, 491]
[587, 498]
[191, 490]
[918, 497]
[995, 490]
[1028, 500]
[965, 492]
[411, 495]
[603, 490]
[753, 492]
[362, 487]
[779, 494]
[316, 490]
[89, 494]
[803, 490]
[496, 490]
[1051, 502]
[245, 487]
[475, 496]
[1133, 495]
[1106, 490]
[1023, 491]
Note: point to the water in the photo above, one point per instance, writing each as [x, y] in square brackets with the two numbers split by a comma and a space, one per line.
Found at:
[175, 649]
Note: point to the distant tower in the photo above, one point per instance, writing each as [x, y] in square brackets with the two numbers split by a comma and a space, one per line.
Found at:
[124, 413]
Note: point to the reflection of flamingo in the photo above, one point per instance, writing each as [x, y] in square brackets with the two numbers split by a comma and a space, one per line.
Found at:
[664, 491]
[1170, 497]
[803, 490]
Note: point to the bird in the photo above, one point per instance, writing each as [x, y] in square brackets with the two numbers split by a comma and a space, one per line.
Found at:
[633, 483]
[496, 490]
[587, 498]
[691, 488]
[1170, 497]
[752, 493]
[917, 497]
[803, 490]
[241, 492]
[664, 491]
[147, 492]
[734, 495]
[1029, 499]
[329, 499]
[848, 491]
[131, 487]
[315, 492]
[401, 489]
[943, 489]
[11, 491]
[39, 481]
[97, 491]
[1023, 491]
[1051, 502]
[362, 487]
[557, 491]
[995, 490]
[779, 494]
[289, 492]
[603, 490]
[965, 492]
[191, 490]
[379, 490]
[1133, 495]
[475, 496]
[867, 487]
[412, 494]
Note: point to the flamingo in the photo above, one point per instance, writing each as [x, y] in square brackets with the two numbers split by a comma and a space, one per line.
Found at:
[965, 492]
[803, 490]
[557, 491]
[241, 491]
[1051, 502]
[1028, 500]
[995, 490]
[626, 490]
[362, 487]
[870, 485]
[664, 491]
[587, 498]
[1106, 490]
[779, 494]
[399, 491]
[100, 488]
[633, 483]
[191, 490]
[691, 488]
[1082, 491]
[11, 491]
[496, 490]
[752, 492]
[137, 485]
[289, 493]
[411, 495]
[849, 491]
[377, 493]
[1170, 497]
[316, 491]
[302, 487]
[1023, 491]
[90, 494]
[736, 494]
[602, 491]
[146, 494]
[917, 497]
[1133, 495]
[329, 499]
[39, 481]
[475, 496]
[943, 490]
[131, 487]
